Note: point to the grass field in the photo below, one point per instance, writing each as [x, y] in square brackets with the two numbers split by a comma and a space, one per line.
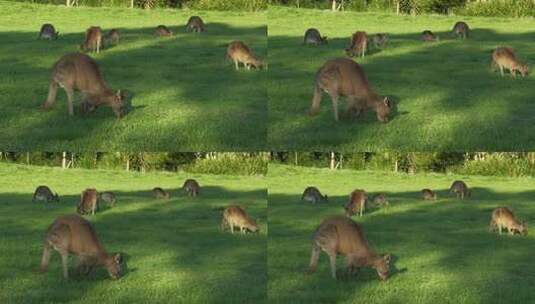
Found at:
[185, 95]
[443, 250]
[175, 251]
[446, 96]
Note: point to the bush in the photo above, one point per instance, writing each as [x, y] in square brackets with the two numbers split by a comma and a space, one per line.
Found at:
[231, 164]
[229, 5]
[500, 8]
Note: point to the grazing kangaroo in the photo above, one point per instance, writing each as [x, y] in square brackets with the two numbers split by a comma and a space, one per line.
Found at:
[191, 187]
[195, 24]
[238, 51]
[503, 217]
[235, 216]
[460, 189]
[313, 37]
[160, 193]
[112, 38]
[358, 45]
[43, 193]
[340, 235]
[93, 40]
[428, 36]
[380, 40]
[461, 29]
[80, 72]
[48, 32]
[356, 203]
[344, 77]
[428, 194]
[505, 58]
[73, 235]
[380, 200]
[313, 195]
[88, 202]
[163, 31]
[107, 197]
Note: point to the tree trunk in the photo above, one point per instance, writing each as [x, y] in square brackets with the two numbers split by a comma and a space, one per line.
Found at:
[397, 7]
[131, 3]
[333, 161]
[64, 160]
[334, 6]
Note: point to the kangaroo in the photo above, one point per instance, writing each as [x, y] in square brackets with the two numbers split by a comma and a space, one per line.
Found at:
[380, 200]
[358, 45]
[111, 38]
[43, 193]
[163, 31]
[160, 193]
[80, 72]
[503, 217]
[93, 40]
[380, 40]
[238, 51]
[356, 203]
[48, 32]
[195, 24]
[344, 77]
[461, 29]
[313, 195]
[428, 36]
[505, 58]
[191, 187]
[107, 197]
[428, 194]
[313, 37]
[73, 235]
[88, 202]
[235, 216]
[340, 235]
[460, 189]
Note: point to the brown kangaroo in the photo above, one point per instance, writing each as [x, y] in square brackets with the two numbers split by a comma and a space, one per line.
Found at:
[88, 202]
[48, 32]
[163, 31]
[344, 77]
[380, 200]
[340, 235]
[428, 194]
[93, 40]
[239, 52]
[460, 189]
[73, 235]
[356, 203]
[191, 187]
[112, 37]
[461, 29]
[313, 37]
[160, 193]
[235, 216]
[505, 58]
[313, 195]
[43, 193]
[108, 198]
[195, 24]
[80, 72]
[380, 40]
[503, 217]
[358, 45]
[428, 36]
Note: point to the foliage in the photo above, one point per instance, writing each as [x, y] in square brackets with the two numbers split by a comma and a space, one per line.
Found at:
[500, 8]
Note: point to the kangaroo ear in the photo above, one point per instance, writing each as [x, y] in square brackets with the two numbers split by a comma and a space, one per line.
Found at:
[387, 102]
[387, 258]
[118, 258]
[119, 94]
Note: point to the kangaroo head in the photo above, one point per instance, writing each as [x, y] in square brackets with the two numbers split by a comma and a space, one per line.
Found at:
[325, 197]
[252, 225]
[524, 70]
[324, 40]
[115, 265]
[55, 197]
[383, 109]
[523, 228]
[119, 103]
[382, 266]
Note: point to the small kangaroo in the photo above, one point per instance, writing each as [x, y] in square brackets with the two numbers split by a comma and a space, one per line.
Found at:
[163, 31]
[460, 189]
[428, 194]
[112, 38]
[313, 195]
[107, 197]
[380, 40]
[356, 203]
[461, 29]
[191, 187]
[505, 58]
[358, 45]
[344, 77]
[239, 52]
[160, 193]
[503, 217]
[48, 32]
[80, 72]
[88, 202]
[93, 40]
[428, 36]
[195, 24]
[380, 200]
[340, 235]
[313, 37]
[73, 235]
[235, 216]
[43, 193]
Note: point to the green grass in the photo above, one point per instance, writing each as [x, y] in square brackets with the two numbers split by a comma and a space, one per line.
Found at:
[185, 95]
[443, 250]
[447, 97]
[175, 250]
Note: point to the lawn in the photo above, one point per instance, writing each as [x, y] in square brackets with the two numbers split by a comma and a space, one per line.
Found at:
[443, 250]
[175, 251]
[446, 96]
[186, 96]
